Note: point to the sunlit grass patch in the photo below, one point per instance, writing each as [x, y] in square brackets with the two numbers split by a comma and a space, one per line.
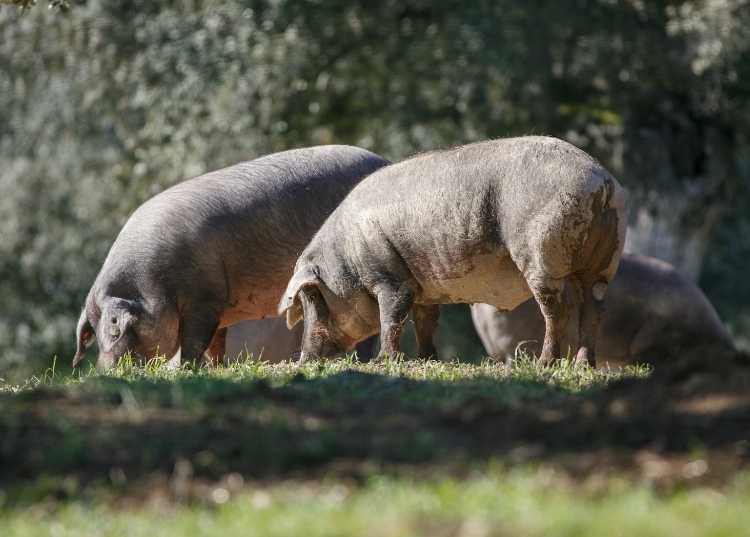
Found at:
[327, 385]
[563, 374]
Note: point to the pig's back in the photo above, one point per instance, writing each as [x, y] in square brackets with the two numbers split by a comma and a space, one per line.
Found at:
[265, 210]
[650, 292]
[449, 213]
[283, 194]
[471, 189]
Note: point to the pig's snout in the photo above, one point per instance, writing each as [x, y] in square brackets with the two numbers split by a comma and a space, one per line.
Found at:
[108, 360]
[105, 361]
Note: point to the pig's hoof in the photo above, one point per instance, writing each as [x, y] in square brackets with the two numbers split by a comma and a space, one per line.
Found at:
[173, 364]
[584, 358]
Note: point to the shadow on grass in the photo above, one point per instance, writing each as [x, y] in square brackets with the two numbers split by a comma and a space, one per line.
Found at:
[108, 430]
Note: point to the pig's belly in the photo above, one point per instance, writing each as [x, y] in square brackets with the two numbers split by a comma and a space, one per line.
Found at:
[252, 303]
[487, 278]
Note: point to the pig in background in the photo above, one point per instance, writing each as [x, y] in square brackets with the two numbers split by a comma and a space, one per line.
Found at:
[266, 339]
[212, 251]
[653, 314]
[269, 340]
[497, 222]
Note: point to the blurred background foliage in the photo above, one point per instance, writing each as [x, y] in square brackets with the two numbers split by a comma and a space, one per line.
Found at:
[105, 103]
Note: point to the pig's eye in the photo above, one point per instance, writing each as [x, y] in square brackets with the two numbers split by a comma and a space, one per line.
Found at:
[114, 320]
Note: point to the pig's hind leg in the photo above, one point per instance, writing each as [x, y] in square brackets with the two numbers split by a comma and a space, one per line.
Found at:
[548, 295]
[425, 324]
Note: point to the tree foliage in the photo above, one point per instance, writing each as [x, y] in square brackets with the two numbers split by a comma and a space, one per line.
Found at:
[105, 104]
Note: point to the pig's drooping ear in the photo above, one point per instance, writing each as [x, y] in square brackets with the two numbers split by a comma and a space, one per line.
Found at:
[84, 337]
[290, 302]
[294, 314]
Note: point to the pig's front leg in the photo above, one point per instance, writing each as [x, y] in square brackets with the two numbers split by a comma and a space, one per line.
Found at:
[394, 303]
[196, 334]
[425, 324]
[366, 349]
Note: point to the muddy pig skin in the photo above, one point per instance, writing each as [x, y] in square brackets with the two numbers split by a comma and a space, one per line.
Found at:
[212, 251]
[653, 314]
[495, 222]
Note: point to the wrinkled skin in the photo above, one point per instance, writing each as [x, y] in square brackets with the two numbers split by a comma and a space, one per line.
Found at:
[212, 251]
[495, 222]
[653, 314]
[271, 341]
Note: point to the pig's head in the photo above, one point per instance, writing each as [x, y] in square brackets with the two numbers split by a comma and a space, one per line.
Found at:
[333, 326]
[123, 327]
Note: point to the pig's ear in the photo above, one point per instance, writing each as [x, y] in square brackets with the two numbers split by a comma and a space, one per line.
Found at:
[294, 314]
[84, 337]
[290, 302]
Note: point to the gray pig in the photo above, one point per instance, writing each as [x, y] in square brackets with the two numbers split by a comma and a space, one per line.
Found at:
[496, 222]
[267, 339]
[271, 341]
[653, 314]
[212, 251]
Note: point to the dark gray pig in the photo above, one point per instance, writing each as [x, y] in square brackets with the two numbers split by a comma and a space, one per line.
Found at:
[653, 315]
[496, 222]
[212, 251]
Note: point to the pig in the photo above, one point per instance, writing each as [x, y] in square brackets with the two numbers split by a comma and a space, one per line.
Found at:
[267, 339]
[212, 251]
[497, 221]
[653, 314]
[270, 340]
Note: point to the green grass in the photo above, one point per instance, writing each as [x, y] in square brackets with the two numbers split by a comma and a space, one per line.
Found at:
[417, 385]
[397, 448]
[394, 411]
[562, 375]
[519, 502]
